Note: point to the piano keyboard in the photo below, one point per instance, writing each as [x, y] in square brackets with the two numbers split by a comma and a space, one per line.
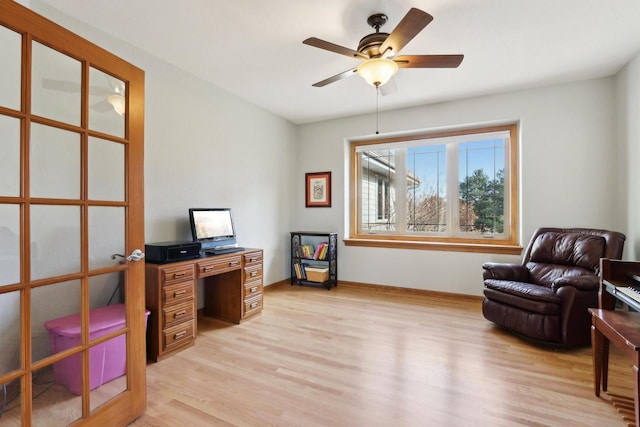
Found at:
[632, 292]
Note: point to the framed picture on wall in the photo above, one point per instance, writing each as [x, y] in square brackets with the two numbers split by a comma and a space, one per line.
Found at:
[318, 189]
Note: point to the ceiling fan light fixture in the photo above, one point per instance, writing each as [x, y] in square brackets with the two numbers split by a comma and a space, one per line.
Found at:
[377, 71]
[117, 101]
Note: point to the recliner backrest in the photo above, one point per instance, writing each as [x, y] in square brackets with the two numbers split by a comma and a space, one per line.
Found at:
[556, 254]
[549, 256]
[568, 249]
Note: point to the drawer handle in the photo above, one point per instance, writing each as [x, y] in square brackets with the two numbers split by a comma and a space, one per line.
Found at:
[254, 273]
[255, 288]
[208, 269]
[253, 305]
[180, 314]
[179, 293]
[253, 259]
[180, 335]
[233, 264]
[178, 275]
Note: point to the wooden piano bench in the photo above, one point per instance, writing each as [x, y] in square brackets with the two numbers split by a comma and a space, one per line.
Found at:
[622, 328]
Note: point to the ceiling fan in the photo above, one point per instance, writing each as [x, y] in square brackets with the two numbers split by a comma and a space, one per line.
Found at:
[110, 98]
[379, 50]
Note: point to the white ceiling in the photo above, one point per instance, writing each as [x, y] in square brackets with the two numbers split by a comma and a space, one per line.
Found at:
[253, 48]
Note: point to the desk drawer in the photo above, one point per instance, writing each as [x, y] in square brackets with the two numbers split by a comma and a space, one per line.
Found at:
[176, 314]
[252, 258]
[252, 305]
[217, 265]
[178, 335]
[251, 289]
[181, 273]
[180, 292]
[253, 273]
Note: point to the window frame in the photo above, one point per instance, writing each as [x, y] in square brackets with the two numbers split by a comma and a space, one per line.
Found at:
[510, 244]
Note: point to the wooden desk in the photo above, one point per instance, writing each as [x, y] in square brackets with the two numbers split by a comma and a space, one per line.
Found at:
[232, 292]
[622, 328]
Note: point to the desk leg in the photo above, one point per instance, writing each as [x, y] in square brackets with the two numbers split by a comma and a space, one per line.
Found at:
[636, 392]
[596, 350]
[605, 362]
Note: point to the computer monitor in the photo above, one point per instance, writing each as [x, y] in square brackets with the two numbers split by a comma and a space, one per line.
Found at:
[212, 227]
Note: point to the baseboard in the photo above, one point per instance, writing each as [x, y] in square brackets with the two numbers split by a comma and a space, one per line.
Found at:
[378, 288]
[383, 288]
[395, 289]
[410, 291]
[275, 285]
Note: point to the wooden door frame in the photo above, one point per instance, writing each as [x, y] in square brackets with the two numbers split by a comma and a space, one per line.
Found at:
[125, 407]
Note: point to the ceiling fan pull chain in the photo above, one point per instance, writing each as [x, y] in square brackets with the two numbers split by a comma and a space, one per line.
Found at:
[377, 96]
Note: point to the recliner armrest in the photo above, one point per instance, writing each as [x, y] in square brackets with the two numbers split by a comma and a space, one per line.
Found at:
[505, 271]
[583, 283]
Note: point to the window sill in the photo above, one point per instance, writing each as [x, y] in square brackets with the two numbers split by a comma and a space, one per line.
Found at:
[506, 249]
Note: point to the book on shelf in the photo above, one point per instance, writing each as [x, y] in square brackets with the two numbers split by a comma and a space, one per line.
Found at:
[307, 251]
[300, 271]
[318, 252]
[321, 251]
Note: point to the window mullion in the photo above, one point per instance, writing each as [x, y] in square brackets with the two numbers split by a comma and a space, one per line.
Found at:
[401, 190]
[506, 171]
[453, 190]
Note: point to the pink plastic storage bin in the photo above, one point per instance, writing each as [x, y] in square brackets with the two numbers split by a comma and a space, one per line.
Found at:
[106, 361]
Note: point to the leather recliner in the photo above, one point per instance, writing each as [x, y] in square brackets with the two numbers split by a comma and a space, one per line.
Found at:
[545, 299]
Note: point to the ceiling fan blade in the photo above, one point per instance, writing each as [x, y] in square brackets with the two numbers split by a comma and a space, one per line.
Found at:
[428, 61]
[60, 85]
[389, 88]
[413, 22]
[101, 107]
[315, 42]
[71, 87]
[335, 78]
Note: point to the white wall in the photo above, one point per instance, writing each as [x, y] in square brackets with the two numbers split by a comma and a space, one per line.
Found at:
[568, 176]
[628, 161]
[205, 147]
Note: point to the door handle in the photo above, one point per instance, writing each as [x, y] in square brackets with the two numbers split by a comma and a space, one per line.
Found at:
[136, 255]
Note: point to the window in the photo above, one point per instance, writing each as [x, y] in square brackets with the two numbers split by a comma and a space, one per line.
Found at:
[454, 190]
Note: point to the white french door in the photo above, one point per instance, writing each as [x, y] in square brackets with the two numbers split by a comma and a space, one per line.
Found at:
[72, 317]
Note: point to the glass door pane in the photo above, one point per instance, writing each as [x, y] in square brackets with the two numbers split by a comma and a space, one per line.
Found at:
[10, 68]
[106, 170]
[55, 240]
[107, 97]
[108, 360]
[106, 236]
[13, 410]
[10, 359]
[55, 163]
[53, 404]
[56, 80]
[55, 321]
[9, 155]
[9, 244]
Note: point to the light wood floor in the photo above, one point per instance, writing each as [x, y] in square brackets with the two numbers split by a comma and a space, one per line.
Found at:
[358, 357]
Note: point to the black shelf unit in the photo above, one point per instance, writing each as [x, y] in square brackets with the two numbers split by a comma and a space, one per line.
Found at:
[330, 261]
